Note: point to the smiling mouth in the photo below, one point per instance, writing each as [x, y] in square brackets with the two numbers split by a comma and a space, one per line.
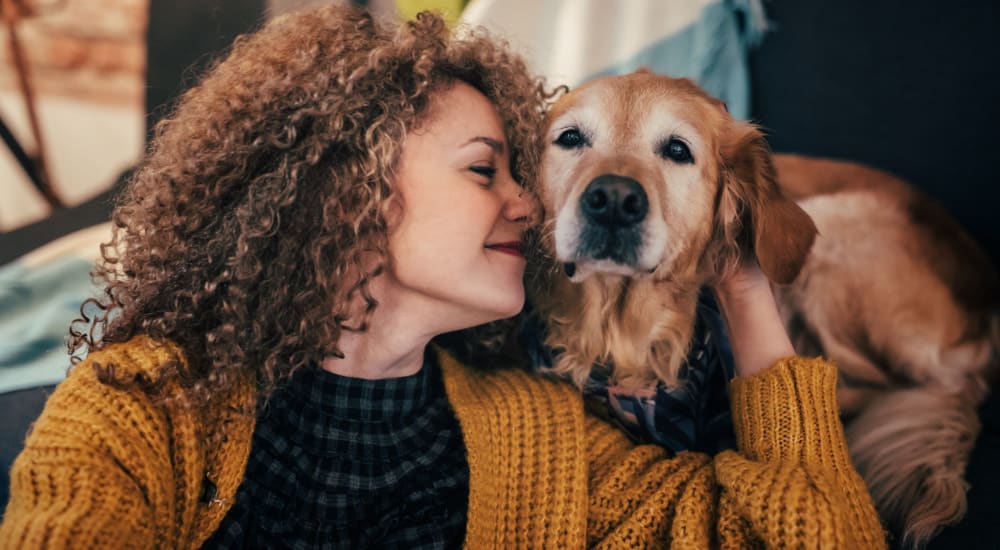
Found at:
[514, 248]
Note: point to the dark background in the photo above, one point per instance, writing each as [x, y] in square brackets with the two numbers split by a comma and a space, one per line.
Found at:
[908, 87]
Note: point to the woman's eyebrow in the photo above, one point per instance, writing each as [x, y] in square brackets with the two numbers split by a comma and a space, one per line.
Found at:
[494, 144]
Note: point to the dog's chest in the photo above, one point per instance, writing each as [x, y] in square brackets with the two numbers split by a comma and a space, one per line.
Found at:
[693, 416]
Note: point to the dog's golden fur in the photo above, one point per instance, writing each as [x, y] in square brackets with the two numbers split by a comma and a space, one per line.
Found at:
[644, 322]
[892, 290]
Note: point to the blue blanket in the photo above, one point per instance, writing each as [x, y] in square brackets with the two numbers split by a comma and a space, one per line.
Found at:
[40, 295]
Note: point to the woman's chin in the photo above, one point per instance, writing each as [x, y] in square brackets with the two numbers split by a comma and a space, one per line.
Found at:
[505, 309]
[511, 309]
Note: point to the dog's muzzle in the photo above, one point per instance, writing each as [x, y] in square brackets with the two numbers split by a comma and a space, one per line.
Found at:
[613, 208]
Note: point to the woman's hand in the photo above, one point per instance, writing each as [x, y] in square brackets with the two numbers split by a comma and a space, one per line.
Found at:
[756, 333]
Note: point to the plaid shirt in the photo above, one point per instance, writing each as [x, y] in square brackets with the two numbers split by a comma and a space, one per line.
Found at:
[341, 462]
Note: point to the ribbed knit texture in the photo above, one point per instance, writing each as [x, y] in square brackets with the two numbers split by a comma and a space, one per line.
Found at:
[105, 468]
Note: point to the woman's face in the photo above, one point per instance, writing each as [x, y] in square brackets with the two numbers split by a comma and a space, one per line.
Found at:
[456, 248]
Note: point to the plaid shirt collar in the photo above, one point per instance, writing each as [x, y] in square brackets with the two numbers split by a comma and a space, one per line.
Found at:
[361, 400]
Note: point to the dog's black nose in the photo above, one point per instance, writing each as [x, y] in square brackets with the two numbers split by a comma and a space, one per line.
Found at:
[614, 201]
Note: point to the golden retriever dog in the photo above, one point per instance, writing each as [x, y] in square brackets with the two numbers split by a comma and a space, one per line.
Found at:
[652, 191]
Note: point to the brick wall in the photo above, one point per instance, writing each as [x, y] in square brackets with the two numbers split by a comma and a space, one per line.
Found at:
[84, 49]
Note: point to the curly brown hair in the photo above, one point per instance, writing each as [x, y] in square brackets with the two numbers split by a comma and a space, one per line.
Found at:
[241, 238]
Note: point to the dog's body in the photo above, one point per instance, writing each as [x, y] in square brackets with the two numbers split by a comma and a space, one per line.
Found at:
[652, 191]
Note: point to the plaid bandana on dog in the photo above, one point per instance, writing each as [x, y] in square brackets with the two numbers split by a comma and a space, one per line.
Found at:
[694, 416]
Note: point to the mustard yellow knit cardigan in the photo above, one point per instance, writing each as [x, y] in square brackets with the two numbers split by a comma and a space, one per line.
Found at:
[108, 468]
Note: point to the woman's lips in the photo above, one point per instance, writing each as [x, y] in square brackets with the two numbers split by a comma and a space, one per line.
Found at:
[514, 248]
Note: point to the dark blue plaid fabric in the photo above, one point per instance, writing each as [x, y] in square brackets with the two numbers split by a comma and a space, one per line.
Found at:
[694, 416]
[340, 462]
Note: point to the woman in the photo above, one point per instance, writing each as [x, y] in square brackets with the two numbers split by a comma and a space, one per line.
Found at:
[329, 199]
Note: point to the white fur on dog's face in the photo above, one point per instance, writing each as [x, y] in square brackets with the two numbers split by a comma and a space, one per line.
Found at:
[625, 125]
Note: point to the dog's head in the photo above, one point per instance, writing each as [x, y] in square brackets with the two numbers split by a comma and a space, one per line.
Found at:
[648, 175]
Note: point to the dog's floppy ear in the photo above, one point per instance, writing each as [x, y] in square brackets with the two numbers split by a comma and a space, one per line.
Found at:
[752, 216]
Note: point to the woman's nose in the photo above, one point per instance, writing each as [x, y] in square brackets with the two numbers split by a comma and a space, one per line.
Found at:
[521, 205]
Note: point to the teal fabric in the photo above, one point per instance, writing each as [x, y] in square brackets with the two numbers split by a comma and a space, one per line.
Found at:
[37, 305]
[712, 51]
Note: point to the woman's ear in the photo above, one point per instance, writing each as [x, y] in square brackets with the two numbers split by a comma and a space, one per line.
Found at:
[752, 216]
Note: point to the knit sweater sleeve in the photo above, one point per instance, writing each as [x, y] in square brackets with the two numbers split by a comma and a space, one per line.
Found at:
[790, 485]
[91, 471]
[792, 479]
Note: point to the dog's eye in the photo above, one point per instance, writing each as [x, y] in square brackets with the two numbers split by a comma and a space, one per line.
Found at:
[677, 151]
[571, 139]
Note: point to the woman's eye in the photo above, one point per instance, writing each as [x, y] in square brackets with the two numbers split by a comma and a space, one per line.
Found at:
[488, 171]
[571, 139]
[677, 151]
